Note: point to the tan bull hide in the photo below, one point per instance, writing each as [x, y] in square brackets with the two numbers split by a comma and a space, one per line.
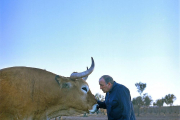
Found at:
[34, 94]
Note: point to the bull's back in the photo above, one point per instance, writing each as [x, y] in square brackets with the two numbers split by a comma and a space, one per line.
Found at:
[22, 89]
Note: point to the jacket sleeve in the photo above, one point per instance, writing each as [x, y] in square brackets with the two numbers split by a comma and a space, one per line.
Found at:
[123, 95]
[101, 104]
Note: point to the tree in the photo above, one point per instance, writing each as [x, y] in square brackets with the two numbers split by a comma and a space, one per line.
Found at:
[138, 101]
[99, 97]
[159, 102]
[147, 100]
[140, 86]
[169, 99]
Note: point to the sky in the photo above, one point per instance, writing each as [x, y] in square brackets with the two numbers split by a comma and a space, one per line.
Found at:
[132, 41]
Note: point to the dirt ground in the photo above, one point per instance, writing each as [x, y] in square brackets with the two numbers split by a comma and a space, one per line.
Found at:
[104, 117]
[92, 117]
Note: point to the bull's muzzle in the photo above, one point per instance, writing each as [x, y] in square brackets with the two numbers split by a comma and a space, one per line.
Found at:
[94, 108]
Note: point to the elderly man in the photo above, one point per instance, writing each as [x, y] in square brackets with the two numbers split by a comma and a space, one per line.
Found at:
[117, 101]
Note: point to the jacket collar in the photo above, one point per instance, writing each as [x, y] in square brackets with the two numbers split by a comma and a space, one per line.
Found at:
[114, 84]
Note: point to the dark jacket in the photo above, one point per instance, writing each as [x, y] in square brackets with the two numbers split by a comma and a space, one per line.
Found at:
[118, 103]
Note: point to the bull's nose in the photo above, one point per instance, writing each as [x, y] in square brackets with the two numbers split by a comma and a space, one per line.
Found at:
[94, 108]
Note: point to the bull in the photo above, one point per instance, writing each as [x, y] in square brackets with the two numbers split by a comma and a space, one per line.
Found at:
[35, 94]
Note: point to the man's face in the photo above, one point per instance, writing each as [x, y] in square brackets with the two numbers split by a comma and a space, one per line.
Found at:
[103, 86]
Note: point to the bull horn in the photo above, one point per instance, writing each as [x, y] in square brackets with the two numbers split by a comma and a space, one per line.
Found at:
[85, 78]
[85, 73]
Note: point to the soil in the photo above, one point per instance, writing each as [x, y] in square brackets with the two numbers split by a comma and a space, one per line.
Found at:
[104, 117]
[92, 117]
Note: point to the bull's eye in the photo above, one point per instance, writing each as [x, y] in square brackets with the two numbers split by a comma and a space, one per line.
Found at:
[85, 88]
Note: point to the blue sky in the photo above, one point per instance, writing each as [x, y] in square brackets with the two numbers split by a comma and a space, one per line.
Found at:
[132, 41]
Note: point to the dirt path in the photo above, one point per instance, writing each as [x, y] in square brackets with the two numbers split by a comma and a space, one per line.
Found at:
[104, 117]
[100, 117]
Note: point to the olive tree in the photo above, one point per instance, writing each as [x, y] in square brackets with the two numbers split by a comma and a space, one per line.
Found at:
[141, 87]
[159, 103]
[147, 100]
[169, 99]
[99, 97]
[138, 101]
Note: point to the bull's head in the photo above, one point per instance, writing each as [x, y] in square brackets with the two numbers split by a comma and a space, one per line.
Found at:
[77, 97]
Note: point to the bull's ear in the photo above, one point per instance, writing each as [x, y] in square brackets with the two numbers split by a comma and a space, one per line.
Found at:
[66, 85]
[57, 78]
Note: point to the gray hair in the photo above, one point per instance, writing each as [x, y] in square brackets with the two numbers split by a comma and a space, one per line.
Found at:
[107, 79]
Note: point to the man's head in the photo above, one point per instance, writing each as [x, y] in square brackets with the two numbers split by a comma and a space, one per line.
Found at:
[106, 83]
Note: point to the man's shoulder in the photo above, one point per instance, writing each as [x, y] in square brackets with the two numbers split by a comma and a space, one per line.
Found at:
[120, 86]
